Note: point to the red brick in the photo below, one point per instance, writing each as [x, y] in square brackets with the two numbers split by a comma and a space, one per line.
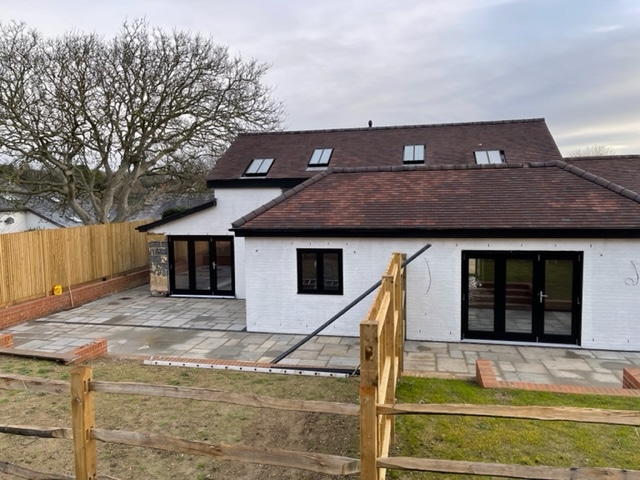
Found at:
[90, 351]
[12, 315]
[631, 378]
[6, 340]
[486, 377]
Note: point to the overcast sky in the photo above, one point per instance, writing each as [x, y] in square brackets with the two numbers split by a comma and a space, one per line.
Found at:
[340, 63]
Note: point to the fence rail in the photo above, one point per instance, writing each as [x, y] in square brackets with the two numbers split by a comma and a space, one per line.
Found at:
[32, 263]
[85, 434]
[381, 350]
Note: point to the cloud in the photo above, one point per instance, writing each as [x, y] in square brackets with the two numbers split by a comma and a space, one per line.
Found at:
[337, 64]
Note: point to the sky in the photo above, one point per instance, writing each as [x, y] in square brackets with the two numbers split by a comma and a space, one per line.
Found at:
[341, 63]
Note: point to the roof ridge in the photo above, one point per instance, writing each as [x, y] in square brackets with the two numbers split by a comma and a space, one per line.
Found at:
[601, 181]
[628, 156]
[440, 167]
[396, 127]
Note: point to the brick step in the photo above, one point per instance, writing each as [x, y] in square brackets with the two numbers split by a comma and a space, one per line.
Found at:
[79, 354]
[56, 357]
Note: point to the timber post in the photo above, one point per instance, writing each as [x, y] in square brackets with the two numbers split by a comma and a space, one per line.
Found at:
[83, 420]
[368, 391]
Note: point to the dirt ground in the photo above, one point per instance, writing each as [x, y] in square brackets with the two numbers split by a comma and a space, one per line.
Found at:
[214, 423]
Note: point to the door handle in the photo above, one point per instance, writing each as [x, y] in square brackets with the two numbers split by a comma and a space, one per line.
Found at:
[542, 296]
[213, 265]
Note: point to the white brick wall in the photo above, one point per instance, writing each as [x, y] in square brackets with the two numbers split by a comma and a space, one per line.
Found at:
[611, 286]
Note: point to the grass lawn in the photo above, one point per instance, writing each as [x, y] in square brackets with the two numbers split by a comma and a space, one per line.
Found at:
[525, 442]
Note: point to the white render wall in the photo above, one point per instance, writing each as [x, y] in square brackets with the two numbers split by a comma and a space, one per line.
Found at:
[610, 299]
[23, 221]
[232, 204]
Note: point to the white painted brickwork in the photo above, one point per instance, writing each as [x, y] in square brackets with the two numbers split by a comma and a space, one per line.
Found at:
[232, 204]
[611, 286]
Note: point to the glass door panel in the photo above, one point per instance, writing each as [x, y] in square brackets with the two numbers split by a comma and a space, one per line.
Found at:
[223, 266]
[557, 296]
[481, 278]
[522, 296]
[202, 266]
[181, 264]
[518, 295]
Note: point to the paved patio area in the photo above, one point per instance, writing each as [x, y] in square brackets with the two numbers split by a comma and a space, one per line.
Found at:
[136, 324]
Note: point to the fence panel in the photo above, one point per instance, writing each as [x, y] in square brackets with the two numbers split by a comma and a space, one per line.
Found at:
[381, 352]
[31, 263]
[84, 433]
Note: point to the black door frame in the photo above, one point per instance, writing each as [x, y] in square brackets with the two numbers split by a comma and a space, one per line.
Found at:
[537, 335]
[212, 289]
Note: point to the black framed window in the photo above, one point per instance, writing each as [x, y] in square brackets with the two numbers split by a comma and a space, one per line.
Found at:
[258, 167]
[320, 271]
[320, 157]
[413, 154]
[487, 157]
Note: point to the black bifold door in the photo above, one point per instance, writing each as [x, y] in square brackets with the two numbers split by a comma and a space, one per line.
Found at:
[201, 266]
[522, 296]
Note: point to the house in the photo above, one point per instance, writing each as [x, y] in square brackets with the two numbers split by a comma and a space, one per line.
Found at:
[20, 218]
[526, 246]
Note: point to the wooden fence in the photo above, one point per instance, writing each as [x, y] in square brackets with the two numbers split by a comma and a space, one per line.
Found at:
[85, 434]
[381, 346]
[381, 353]
[32, 263]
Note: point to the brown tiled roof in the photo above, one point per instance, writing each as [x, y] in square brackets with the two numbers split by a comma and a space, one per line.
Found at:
[621, 169]
[542, 199]
[523, 141]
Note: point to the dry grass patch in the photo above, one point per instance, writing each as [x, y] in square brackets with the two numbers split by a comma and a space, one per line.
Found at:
[214, 423]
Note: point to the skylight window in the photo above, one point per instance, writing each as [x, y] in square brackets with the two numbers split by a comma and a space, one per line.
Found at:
[413, 154]
[485, 157]
[320, 157]
[258, 167]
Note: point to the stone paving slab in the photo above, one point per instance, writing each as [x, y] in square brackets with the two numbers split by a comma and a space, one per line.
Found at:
[136, 324]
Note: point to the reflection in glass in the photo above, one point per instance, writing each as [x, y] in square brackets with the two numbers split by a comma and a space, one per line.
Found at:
[309, 273]
[518, 295]
[331, 271]
[558, 280]
[201, 252]
[481, 294]
[181, 264]
[224, 264]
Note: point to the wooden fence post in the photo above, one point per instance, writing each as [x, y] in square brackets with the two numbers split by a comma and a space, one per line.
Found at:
[368, 393]
[83, 419]
[401, 288]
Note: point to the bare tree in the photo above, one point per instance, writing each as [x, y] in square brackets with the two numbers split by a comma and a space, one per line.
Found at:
[91, 122]
[593, 151]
